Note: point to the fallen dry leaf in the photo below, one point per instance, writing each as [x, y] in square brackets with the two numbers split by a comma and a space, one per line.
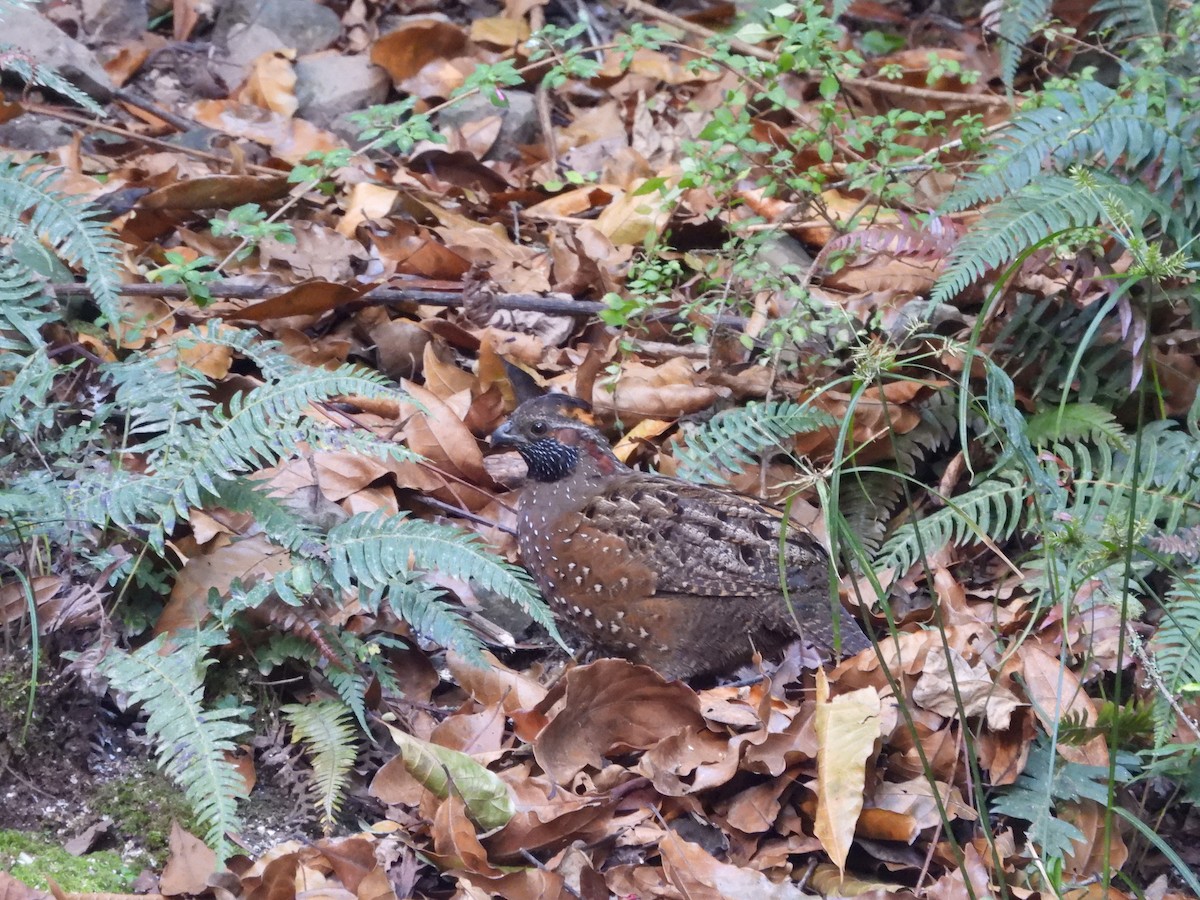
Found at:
[612, 706]
[847, 727]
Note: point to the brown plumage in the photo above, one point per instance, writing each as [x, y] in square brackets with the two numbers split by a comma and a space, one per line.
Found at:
[679, 576]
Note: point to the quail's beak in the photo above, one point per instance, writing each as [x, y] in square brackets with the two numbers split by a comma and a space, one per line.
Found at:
[504, 436]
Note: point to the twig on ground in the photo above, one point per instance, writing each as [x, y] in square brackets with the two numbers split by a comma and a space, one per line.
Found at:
[84, 122]
[552, 304]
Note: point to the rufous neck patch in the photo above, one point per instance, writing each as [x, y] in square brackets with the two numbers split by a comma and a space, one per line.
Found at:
[606, 463]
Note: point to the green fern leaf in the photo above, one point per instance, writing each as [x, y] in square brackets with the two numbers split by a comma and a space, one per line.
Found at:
[190, 740]
[281, 648]
[991, 509]
[731, 440]
[1047, 781]
[1038, 346]
[431, 616]
[1079, 127]
[866, 501]
[1015, 24]
[1125, 23]
[34, 73]
[326, 728]
[189, 461]
[375, 551]
[1176, 649]
[24, 307]
[32, 211]
[1072, 423]
[1049, 206]
[939, 417]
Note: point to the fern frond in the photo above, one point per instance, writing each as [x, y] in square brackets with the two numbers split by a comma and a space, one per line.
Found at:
[1176, 649]
[732, 439]
[430, 616]
[24, 307]
[931, 241]
[326, 729]
[32, 72]
[1048, 206]
[1014, 22]
[1047, 781]
[277, 520]
[992, 509]
[1074, 422]
[258, 428]
[1124, 23]
[376, 550]
[939, 417]
[281, 648]
[190, 740]
[1038, 345]
[33, 211]
[1080, 127]
[866, 501]
[23, 399]
[352, 689]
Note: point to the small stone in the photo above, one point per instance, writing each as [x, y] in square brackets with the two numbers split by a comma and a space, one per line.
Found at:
[301, 25]
[519, 121]
[113, 21]
[330, 85]
[39, 134]
[48, 45]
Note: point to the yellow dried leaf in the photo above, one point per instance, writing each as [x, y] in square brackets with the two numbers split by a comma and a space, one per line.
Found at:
[847, 727]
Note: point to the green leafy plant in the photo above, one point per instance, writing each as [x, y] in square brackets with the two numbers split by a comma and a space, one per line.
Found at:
[251, 226]
[194, 274]
[318, 168]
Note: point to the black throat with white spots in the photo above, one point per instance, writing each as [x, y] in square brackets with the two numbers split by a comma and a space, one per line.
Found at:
[549, 460]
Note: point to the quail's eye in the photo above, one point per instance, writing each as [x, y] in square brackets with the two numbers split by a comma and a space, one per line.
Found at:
[538, 427]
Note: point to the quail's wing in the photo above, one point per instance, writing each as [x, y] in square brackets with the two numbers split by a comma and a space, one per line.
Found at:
[709, 544]
[705, 541]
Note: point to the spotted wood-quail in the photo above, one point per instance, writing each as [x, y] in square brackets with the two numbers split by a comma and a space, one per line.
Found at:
[679, 576]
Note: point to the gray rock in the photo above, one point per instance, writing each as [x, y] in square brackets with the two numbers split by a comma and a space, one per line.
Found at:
[786, 255]
[330, 85]
[519, 123]
[244, 44]
[39, 134]
[299, 24]
[112, 21]
[48, 45]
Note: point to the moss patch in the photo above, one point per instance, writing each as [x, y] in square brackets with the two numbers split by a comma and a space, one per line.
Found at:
[33, 859]
[142, 806]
